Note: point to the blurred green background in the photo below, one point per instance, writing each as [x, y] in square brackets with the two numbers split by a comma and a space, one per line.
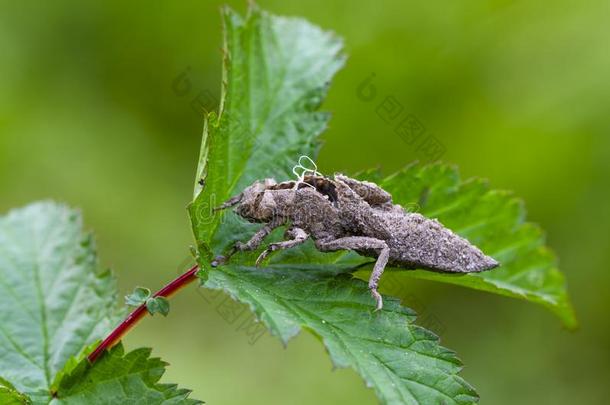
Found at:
[516, 91]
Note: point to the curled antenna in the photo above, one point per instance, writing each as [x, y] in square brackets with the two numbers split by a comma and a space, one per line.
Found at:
[304, 170]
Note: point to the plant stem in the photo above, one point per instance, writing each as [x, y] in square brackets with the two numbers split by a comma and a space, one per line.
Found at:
[117, 334]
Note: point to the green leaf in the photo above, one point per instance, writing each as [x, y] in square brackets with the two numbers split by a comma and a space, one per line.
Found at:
[72, 363]
[158, 305]
[56, 306]
[138, 297]
[276, 73]
[494, 221]
[403, 362]
[10, 396]
[54, 300]
[119, 378]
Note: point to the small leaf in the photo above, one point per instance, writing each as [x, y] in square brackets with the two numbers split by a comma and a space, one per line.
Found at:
[119, 378]
[138, 297]
[158, 305]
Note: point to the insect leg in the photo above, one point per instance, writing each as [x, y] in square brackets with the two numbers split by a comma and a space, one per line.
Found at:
[363, 243]
[298, 236]
[256, 240]
[370, 192]
[229, 203]
[380, 264]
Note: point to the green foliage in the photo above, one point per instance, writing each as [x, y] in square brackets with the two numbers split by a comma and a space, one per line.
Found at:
[493, 220]
[72, 363]
[54, 300]
[10, 396]
[267, 93]
[403, 362]
[274, 90]
[275, 76]
[119, 378]
[158, 305]
[137, 297]
[154, 305]
[55, 306]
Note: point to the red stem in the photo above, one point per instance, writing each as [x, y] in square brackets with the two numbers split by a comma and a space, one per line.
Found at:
[117, 334]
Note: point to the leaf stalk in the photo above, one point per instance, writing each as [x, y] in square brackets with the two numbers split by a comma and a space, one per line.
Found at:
[121, 330]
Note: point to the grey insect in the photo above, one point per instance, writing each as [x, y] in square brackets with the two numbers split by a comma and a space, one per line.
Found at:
[344, 213]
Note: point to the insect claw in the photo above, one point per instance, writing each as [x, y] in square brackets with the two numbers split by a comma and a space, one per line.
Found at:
[262, 257]
[234, 249]
[219, 260]
[378, 300]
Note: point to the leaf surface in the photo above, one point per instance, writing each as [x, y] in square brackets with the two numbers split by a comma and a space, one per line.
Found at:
[56, 305]
[493, 220]
[120, 378]
[402, 362]
[276, 73]
[54, 300]
[10, 396]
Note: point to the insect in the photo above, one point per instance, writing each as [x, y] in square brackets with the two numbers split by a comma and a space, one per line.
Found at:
[347, 214]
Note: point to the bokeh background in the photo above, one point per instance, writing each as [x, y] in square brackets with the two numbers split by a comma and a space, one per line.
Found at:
[515, 91]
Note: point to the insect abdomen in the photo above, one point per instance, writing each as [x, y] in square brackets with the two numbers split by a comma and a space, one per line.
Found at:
[419, 242]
